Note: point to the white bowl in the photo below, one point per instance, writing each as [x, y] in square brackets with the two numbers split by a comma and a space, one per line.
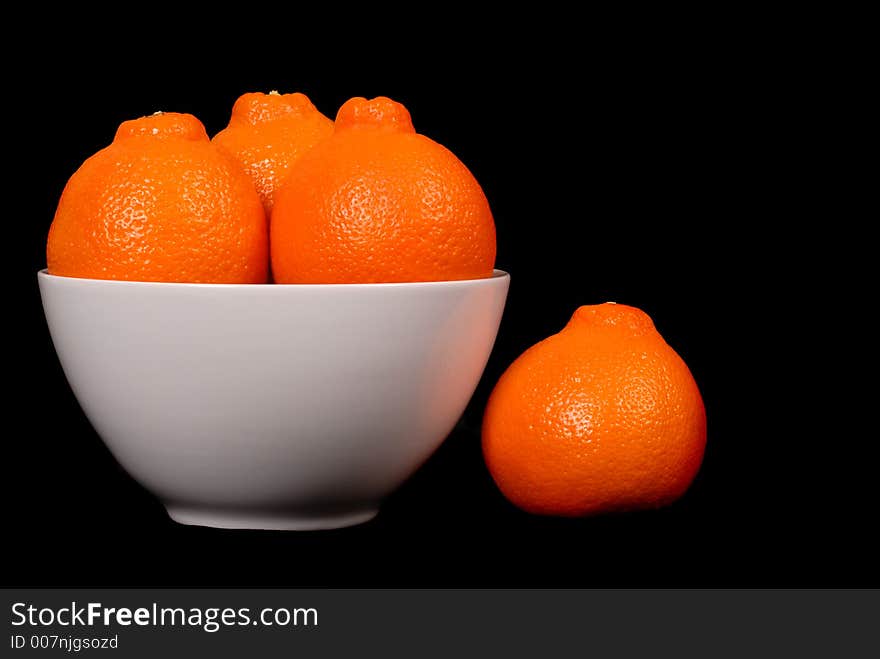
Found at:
[273, 406]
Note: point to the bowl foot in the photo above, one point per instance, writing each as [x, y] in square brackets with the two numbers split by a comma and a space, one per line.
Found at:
[224, 518]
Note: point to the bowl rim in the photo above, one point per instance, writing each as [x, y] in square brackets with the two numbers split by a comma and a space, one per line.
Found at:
[44, 275]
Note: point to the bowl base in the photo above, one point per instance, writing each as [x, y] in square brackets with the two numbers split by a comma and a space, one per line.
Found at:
[267, 520]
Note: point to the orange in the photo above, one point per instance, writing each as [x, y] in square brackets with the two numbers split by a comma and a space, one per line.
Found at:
[161, 203]
[377, 202]
[602, 417]
[268, 132]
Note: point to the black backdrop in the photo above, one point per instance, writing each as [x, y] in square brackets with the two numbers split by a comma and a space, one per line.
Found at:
[621, 164]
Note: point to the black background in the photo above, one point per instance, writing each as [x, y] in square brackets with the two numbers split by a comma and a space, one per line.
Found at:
[642, 161]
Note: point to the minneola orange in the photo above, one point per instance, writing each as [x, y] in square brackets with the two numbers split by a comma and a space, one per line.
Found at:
[603, 416]
[161, 203]
[267, 133]
[377, 202]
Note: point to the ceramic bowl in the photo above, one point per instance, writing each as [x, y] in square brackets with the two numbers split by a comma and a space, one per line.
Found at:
[272, 406]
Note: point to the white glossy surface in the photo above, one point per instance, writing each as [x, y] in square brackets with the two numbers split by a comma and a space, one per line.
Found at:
[289, 407]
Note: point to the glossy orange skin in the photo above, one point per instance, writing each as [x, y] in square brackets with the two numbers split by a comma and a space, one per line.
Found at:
[602, 417]
[377, 202]
[161, 203]
[267, 133]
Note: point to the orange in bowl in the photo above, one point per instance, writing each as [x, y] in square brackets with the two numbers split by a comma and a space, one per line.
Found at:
[377, 202]
[267, 133]
[161, 203]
